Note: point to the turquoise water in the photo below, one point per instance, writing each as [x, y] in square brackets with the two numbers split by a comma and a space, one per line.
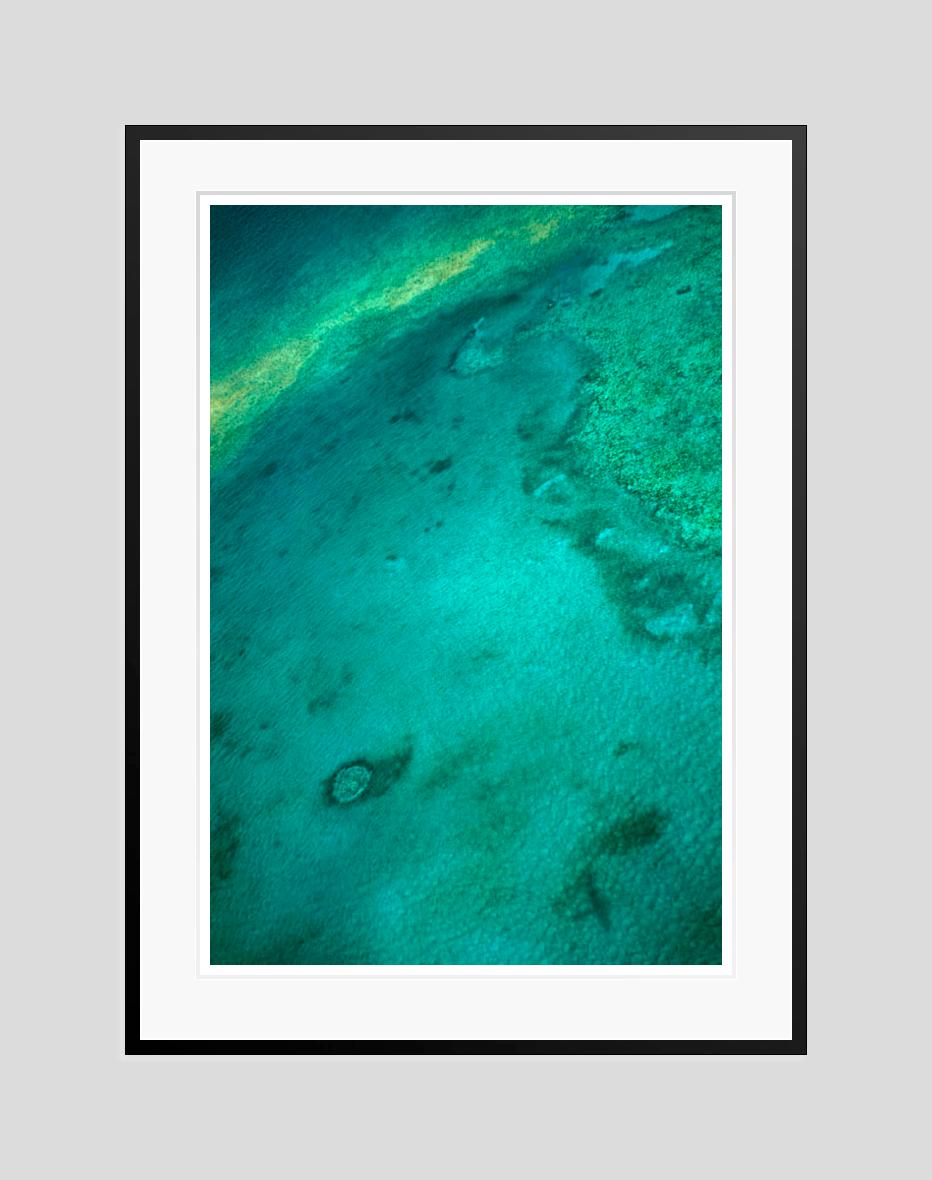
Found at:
[465, 539]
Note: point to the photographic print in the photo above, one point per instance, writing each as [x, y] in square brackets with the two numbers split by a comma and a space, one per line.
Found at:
[466, 492]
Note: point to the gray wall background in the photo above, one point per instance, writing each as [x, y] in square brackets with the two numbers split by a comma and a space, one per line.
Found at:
[75, 75]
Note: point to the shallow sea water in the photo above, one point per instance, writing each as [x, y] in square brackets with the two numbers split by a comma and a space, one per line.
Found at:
[417, 566]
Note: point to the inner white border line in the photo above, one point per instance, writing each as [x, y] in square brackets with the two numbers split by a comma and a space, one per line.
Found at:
[465, 192]
[481, 971]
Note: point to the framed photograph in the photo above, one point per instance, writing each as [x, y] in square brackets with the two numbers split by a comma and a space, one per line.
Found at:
[465, 500]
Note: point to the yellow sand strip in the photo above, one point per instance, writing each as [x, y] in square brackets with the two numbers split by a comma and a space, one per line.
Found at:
[239, 399]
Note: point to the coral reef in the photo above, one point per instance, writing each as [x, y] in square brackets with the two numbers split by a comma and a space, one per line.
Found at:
[653, 414]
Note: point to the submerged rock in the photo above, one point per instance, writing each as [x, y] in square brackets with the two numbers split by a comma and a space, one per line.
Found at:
[631, 543]
[366, 778]
[556, 490]
[350, 782]
[673, 624]
[475, 354]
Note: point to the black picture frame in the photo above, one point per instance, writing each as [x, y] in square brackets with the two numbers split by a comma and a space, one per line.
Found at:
[134, 137]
